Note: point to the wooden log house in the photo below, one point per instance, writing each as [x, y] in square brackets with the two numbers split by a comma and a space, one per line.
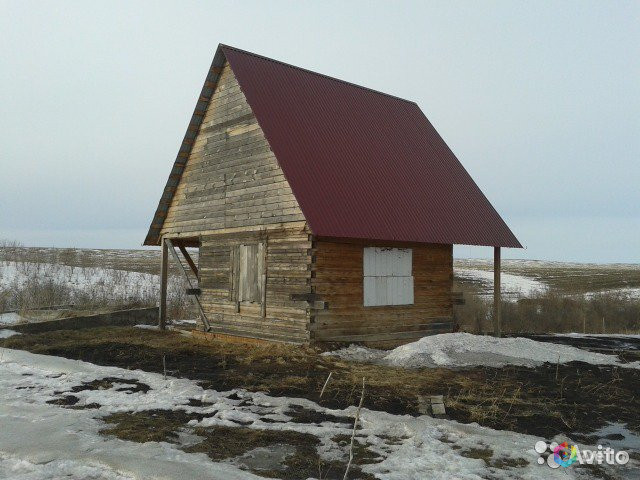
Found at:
[323, 211]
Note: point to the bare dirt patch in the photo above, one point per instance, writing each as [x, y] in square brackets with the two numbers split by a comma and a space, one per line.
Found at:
[305, 462]
[127, 385]
[301, 458]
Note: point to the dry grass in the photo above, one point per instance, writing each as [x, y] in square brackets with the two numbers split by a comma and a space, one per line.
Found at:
[551, 312]
[145, 261]
[304, 463]
[473, 315]
[147, 426]
[88, 279]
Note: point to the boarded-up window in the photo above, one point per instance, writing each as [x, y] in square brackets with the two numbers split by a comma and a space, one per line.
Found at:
[248, 273]
[387, 276]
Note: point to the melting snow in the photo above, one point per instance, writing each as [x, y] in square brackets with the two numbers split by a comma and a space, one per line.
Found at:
[147, 327]
[16, 468]
[41, 440]
[110, 282]
[466, 349]
[5, 333]
[512, 285]
[11, 318]
[603, 335]
[623, 291]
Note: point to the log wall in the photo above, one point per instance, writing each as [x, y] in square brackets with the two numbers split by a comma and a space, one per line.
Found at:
[338, 281]
[288, 272]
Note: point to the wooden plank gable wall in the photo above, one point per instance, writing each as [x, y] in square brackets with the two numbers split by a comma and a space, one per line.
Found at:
[231, 178]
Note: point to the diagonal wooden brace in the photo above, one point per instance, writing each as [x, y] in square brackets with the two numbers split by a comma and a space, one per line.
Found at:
[187, 257]
[207, 325]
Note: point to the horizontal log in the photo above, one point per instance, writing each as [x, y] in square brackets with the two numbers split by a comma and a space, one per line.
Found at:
[374, 337]
[304, 297]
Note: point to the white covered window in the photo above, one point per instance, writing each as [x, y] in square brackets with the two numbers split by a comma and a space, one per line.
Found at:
[387, 276]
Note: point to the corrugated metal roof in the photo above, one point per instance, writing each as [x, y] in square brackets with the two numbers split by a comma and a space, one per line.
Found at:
[363, 164]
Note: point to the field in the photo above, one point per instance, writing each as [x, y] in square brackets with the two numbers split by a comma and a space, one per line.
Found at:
[559, 277]
[546, 297]
[86, 279]
[110, 399]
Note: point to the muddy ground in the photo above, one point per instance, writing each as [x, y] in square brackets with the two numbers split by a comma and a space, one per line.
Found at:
[570, 399]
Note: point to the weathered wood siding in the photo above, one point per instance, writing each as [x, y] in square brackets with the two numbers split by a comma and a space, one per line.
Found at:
[338, 280]
[231, 178]
[288, 259]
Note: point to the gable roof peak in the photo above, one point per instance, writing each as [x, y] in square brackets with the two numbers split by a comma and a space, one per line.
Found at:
[328, 77]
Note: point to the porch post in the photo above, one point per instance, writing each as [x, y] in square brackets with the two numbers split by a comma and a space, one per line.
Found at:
[164, 266]
[497, 321]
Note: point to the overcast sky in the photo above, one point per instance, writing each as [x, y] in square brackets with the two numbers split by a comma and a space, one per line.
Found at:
[540, 101]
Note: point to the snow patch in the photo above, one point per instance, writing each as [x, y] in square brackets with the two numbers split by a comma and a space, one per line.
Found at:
[17, 468]
[512, 285]
[147, 327]
[629, 292]
[11, 318]
[102, 281]
[358, 353]
[188, 322]
[467, 350]
[6, 333]
[599, 335]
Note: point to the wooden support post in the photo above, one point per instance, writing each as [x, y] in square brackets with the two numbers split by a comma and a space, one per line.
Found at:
[164, 267]
[263, 278]
[497, 321]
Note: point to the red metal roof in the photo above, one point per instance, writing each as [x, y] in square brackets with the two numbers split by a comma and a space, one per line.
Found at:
[363, 164]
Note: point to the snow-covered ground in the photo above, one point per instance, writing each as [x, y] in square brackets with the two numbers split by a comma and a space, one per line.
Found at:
[513, 286]
[5, 333]
[103, 282]
[517, 286]
[606, 335]
[36, 282]
[521, 278]
[466, 350]
[520, 264]
[626, 291]
[39, 440]
[11, 318]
